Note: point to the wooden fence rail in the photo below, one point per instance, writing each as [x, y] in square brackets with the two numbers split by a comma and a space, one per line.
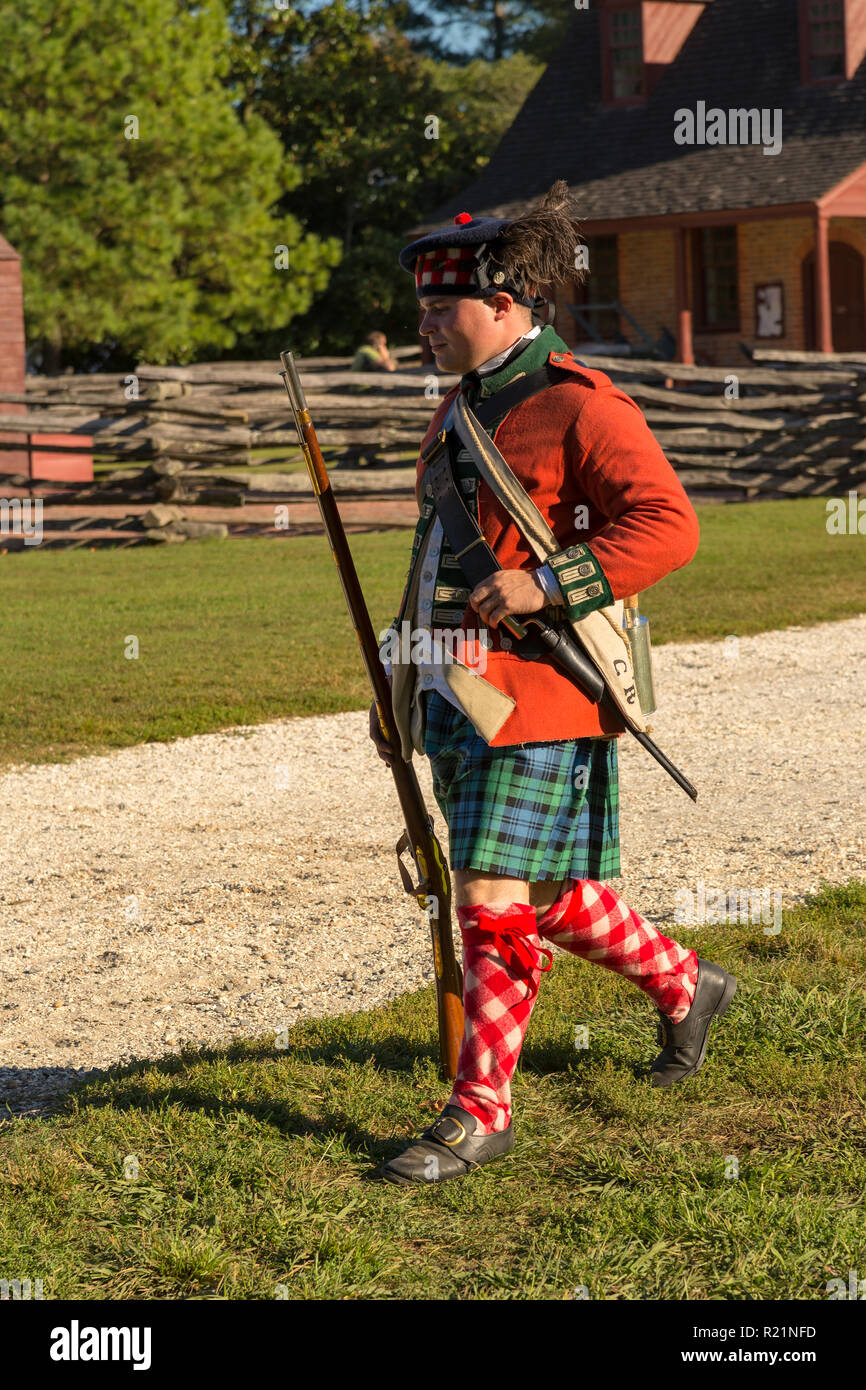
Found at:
[783, 423]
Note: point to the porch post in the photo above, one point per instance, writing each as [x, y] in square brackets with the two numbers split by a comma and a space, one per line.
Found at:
[685, 351]
[823, 319]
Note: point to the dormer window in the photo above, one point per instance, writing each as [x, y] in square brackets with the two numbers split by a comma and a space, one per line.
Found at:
[826, 22]
[626, 54]
[640, 39]
[827, 52]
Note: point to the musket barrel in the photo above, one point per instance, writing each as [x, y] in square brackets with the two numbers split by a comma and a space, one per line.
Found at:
[288, 362]
[433, 890]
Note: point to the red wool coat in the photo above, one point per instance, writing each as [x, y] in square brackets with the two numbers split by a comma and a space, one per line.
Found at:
[579, 442]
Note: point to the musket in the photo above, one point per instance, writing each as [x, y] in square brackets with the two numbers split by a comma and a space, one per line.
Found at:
[433, 886]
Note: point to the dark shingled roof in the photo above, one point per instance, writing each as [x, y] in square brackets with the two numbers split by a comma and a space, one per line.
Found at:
[624, 163]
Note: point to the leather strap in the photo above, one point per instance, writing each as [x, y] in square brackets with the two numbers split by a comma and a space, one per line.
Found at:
[544, 635]
[489, 408]
[462, 530]
[465, 537]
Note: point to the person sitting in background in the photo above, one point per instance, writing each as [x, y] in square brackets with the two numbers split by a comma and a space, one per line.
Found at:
[373, 355]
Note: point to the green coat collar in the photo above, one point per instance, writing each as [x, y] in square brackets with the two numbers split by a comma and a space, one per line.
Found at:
[533, 356]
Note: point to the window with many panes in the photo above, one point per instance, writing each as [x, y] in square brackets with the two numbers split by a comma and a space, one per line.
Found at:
[600, 287]
[826, 30]
[626, 54]
[714, 260]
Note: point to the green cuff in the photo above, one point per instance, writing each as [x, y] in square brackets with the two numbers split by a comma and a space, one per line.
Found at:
[581, 579]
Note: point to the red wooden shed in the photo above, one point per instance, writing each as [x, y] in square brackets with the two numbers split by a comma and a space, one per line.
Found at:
[12, 360]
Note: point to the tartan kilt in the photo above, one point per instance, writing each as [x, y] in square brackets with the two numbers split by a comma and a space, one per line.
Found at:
[530, 811]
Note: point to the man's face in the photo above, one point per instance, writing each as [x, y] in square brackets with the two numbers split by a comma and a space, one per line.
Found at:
[465, 332]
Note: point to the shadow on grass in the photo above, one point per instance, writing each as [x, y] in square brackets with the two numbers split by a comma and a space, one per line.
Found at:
[546, 1059]
[205, 1081]
[172, 1081]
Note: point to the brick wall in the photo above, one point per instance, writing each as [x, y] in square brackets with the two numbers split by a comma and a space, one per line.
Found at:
[768, 252]
[12, 361]
[563, 322]
[646, 287]
[647, 283]
[772, 252]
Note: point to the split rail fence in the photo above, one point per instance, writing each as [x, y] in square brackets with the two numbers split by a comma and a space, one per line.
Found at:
[782, 424]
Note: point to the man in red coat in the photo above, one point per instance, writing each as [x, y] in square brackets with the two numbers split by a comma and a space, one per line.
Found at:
[524, 762]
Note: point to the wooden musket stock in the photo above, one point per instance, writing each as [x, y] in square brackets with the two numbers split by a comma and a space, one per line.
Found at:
[433, 886]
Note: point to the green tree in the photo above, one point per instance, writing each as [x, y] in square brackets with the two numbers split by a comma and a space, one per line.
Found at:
[459, 31]
[380, 134]
[144, 204]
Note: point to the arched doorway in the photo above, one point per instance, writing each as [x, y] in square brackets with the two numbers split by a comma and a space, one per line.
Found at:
[847, 299]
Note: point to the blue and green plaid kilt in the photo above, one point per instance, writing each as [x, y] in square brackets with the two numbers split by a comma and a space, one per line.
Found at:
[530, 811]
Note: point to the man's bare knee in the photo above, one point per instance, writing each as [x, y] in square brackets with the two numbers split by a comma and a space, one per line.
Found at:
[475, 889]
[544, 893]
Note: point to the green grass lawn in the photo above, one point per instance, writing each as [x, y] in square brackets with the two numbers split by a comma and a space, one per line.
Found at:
[255, 1163]
[250, 629]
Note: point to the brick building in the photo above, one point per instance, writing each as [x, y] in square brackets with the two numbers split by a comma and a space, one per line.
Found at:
[12, 354]
[657, 113]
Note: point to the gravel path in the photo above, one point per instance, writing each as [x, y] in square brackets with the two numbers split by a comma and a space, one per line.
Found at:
[232, 883]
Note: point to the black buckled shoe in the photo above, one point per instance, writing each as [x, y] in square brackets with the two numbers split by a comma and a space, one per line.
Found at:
[448, 1149]
[685, 1044]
